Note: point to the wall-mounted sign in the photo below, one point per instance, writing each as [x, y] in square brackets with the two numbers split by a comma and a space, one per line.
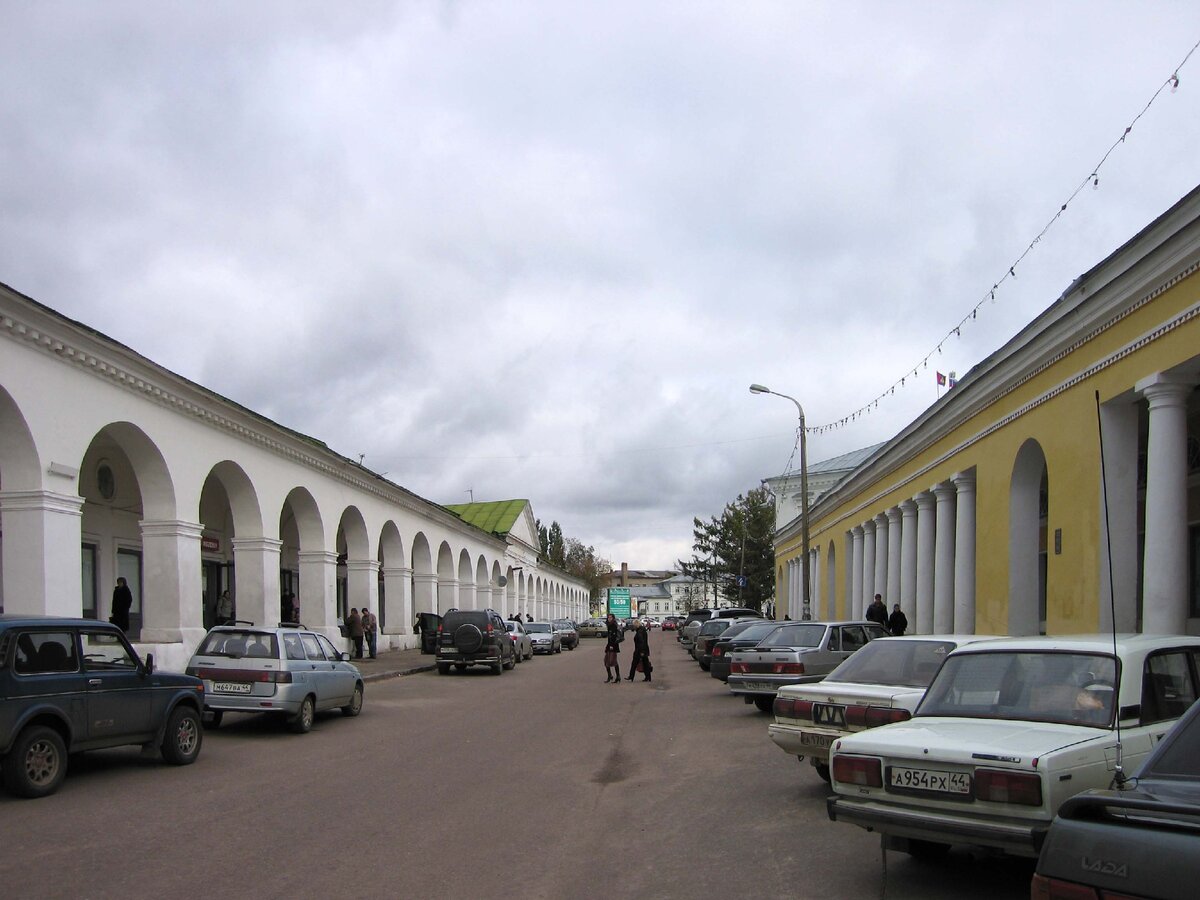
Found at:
[210, 545]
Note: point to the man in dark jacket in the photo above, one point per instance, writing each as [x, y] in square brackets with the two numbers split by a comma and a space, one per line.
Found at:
[354, 631]
[122, 602]
[641, 653]
[897, 622]
[877, 612]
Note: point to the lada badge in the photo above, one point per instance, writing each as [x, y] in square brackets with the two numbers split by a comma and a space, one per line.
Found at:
[994, 757]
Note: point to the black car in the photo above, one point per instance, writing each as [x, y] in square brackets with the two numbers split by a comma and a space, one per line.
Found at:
[748, 634]
[69, 685]
[474, 637]
[1143, 841]
[711, 632]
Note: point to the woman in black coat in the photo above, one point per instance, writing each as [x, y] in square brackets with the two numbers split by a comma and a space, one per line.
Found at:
[611, 649]
[641, 653]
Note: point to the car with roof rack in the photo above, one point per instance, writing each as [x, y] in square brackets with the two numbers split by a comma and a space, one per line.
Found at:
[1008, 731]
[286, 670]
[68, 685]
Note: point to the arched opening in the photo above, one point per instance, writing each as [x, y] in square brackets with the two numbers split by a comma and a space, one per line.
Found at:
[393, 580]
[447, 587]
[229, 509]
[303, 562]
[1028, 507]
[357, 567]
[23, 534]
[424, 579]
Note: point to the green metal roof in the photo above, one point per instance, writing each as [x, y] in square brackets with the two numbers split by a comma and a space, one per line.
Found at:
[497, 517]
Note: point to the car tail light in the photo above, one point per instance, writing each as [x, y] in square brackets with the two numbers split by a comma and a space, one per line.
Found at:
[862, 770]
[787, 708]
[803, 709]
[788, 668]
[739, 668]
[1006, 786]
[268, 676]
[1044, 888]
[718, 651]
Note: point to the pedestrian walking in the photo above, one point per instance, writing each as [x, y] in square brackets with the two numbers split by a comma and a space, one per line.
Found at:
[370, 626]
[122, 602]
[611, 649]
[354, 631]
[224, 609]
[641, 653]
[897, 621]
[877, 612]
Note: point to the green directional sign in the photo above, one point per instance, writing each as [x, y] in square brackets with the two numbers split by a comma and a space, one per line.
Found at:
[618, 602]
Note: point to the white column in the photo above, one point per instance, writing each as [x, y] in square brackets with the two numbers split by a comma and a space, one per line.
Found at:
[964, 553]
[891, 591]
[908, 558]
[41, 563]
[447, 595]
[397, 592]
[855, 606]
[483, 598]
[172, 605]
[943, 565]
[256, 578]
[794, 586]
[1165, 570]
[814, 590]
[425, 594]
[1118, 529]
[926, 546]
[318, 591]
[881, 556]
[362, 584]
[868, 567]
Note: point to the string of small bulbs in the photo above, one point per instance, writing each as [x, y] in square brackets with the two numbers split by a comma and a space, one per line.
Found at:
[989, 296]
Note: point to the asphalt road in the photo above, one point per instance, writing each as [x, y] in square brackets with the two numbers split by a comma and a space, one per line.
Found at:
[545, 782]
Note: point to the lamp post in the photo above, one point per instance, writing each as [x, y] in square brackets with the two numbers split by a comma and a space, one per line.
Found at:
[759, 389]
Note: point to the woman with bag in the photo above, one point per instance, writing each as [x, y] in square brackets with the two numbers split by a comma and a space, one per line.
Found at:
[611, 665]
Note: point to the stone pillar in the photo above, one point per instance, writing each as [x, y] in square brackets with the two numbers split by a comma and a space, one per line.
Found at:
[41, 562]
[814, 589]
[943, 566]
[397, 590]
[447, 595]
[483, 598]
[908, 560]
[891, 592]
[172, 604]
[318, 591]
[964, 553]
[868, 569]
[855, 606]
[362, 584]
[256, 578]
[926, 541]
[881, 556]
[425, 593]
[1118, 529]
[1165, 569]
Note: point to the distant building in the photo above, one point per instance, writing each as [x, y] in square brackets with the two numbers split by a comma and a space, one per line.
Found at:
[822, 476]
[627, 577]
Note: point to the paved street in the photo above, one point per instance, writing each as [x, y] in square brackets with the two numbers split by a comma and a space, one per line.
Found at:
[544, 782]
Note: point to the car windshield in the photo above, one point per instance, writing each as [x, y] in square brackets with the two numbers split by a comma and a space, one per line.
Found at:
[716, 626]
[538, 628]
[749, 631]
[236, 644]
[794, 636]
[901, 663]
[1032, 685]
[513, 626]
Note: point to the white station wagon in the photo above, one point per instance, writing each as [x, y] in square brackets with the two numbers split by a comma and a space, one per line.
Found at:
[880, 684]
[1007, 731]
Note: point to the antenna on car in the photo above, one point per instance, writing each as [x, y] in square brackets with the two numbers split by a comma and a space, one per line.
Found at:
[1118, 769]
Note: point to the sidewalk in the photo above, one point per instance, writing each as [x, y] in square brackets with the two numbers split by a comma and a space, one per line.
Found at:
[394, 663]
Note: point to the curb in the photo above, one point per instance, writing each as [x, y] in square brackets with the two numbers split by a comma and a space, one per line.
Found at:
[399, 673]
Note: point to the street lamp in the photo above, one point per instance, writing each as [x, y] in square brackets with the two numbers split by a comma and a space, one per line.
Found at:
[759, 389]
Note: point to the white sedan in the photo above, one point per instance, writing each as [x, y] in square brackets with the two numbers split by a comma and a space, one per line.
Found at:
[1007, 731]
[880, 684]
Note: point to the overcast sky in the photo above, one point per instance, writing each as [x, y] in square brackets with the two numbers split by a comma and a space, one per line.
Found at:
[541, 249]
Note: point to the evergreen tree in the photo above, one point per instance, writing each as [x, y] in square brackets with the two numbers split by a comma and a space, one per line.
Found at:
[737, 543]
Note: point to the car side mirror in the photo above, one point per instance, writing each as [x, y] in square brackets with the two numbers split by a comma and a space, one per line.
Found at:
[344, 656]
[149, 664]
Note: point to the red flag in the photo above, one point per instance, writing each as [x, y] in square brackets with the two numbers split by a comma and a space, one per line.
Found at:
[941, 379]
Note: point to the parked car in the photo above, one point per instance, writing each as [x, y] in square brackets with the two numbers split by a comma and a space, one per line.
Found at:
[520, 638]
[881, 683]
[740, 636]
[474, 637]
[568, 636]
[70, 685]
[1007, 731]
[593, 628]
[796, 653]
[697, 617]
[670, 623]
[545, 639]
[709, 633]
[290, 671]
[1142, 840]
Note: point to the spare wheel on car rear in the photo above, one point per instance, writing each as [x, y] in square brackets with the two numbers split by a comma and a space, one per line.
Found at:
[468, 638]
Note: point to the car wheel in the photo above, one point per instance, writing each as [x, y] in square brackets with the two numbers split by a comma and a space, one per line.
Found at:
[462, 667]
[354, 707]
[443, 668]
[36, 764]
[704, 666]
[558, 649]
[927, 851]
[823, 771]
[181, 742]
[530, 654]
[498, 668]
[764, 704]
[512, 662]
[302, 722]
[212, 719]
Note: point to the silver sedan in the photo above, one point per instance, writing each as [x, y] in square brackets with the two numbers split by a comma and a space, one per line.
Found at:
[545, 639]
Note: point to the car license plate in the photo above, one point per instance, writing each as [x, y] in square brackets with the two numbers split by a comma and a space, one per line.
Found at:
[930, 780]
[759, 686]
[231, 687]
[828, 714]
[808, 739]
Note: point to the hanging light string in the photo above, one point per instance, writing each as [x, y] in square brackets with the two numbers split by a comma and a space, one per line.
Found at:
[990, 296]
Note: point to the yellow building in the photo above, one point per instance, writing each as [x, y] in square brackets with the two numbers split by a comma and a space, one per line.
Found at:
[987, 513]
